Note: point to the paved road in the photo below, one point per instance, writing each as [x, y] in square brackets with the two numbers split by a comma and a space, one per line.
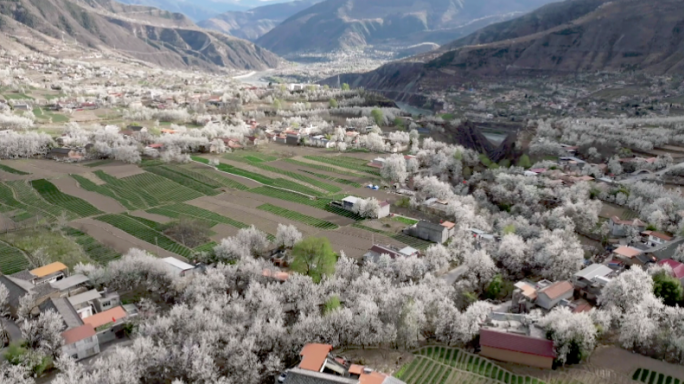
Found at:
[453, 275]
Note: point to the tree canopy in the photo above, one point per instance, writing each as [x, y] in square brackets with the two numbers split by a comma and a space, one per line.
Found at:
[314, 257]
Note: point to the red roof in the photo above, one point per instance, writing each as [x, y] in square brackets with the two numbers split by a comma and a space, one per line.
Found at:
[677, 267]
[517, 343]
[106, 317]
[313, 356]
[77, 334]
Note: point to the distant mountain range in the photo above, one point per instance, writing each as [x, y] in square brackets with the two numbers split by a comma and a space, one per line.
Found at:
[255, 22]
[561, 38]
[198, 10]
[163, 38]
[350, 24]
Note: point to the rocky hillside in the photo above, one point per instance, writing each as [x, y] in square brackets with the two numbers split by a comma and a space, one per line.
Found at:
[560, 38]
[342, 24]
[158, 37]
[256, 22]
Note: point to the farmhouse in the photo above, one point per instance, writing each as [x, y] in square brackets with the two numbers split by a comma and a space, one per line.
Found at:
[437, 233]
[544, 294]
[373, 254]
[80, 342]
[552, 295]
[517, 348]
[618, 227]
[591, 280]
[318, 365]
[177, 267]
[655, 239]
[677, 268]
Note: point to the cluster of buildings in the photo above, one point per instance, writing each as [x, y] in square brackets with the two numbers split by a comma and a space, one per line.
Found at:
[91, 317]
[318, 365]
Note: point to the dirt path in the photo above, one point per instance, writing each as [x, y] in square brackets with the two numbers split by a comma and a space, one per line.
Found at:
[106, 204]
[242, 180]
[116, 238]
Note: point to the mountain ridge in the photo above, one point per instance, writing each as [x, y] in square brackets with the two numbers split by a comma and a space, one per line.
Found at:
[254, 23]
[161, 38]
[350, 24]
[574, 36]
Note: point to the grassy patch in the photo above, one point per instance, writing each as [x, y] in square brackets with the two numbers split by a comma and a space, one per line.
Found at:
[346, 162]
[321, 167]
[281, 183]
[55, 246]
[296, 216]
[404, 220]
[35, 204]
[51, 194]
[12, 170]
[183, 180]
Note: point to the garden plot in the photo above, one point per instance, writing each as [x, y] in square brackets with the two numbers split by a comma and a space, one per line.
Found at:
[226, 179]
[54, 196]
[105, 204]
[43, 168]
[34, 203]
[296, 216]
[143, 232]
[115, 238]
[352, 163]
[12, 260]
[95, 250]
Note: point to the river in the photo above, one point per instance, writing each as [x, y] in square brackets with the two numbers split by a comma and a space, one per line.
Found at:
[413, 110]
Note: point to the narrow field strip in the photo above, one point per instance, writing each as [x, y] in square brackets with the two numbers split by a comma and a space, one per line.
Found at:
[136, 196]
[324, 168]
[297, 176]
[12, 260]
[163, 190]
[281, 183]
[12, 170]
[88, 185]
[30, 197]
[145, 233]
[98, 163]
[52, 195]
[346, 162]
[93, 248]
[184, 180]
[335, 179]
[296, 216]
[209, 176]
[320, 203]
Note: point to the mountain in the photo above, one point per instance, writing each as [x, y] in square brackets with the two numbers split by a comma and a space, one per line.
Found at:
[192, 9]
[558, 39]
[159, 37]
[349, 24]
[256, 22]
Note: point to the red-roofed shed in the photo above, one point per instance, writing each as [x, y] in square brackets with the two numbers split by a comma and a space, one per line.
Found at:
[517, 349]
[677, 268]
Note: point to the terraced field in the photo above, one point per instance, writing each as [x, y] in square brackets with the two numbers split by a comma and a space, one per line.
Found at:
[185, 180]
[54, 196]
[443, 365]
[346, 162]
[94, 249]
[11, 259]
[145, 233]
[296, 216]
[34, 203]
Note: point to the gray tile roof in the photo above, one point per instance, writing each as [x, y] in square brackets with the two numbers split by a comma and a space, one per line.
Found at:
[62, 306]
[301, 376]
[23, 275]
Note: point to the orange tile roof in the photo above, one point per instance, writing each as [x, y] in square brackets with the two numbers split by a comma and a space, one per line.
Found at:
[448, 224]
[48, 269]
[557, 289]
[627, 252]
[279, 275]
[77, 334]
[372, 378]
[313, 356]
[105, 317]
[355, 369]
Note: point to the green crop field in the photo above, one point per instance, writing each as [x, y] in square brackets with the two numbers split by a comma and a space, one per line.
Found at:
[646, 376]
[346, 162]
[51, 194]
[12, 170]
[11, 260]
[94, 249]
[320, 203]
[145, 233]
[163, 190]
[88, 185]
[183, 180]
[443, 365]
[36, 203]
[296, 216]
[98, 163]
[324, 168]
[208, 175]
[335, 179]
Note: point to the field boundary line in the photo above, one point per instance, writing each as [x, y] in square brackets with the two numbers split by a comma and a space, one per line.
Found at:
[258, 182]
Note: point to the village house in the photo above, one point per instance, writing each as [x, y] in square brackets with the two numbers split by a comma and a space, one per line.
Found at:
[619, 227]
[591, 280]
[65, 154]
[80, 342]
[543, 294]
[377, 250]
[434, 232]
[655, 239]
[177, 267]
[349, 202]
[677, 268]
[318, 365]
[628, 255]
[518, 348]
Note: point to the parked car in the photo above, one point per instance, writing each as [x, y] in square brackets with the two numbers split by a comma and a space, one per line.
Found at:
[282, 377]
